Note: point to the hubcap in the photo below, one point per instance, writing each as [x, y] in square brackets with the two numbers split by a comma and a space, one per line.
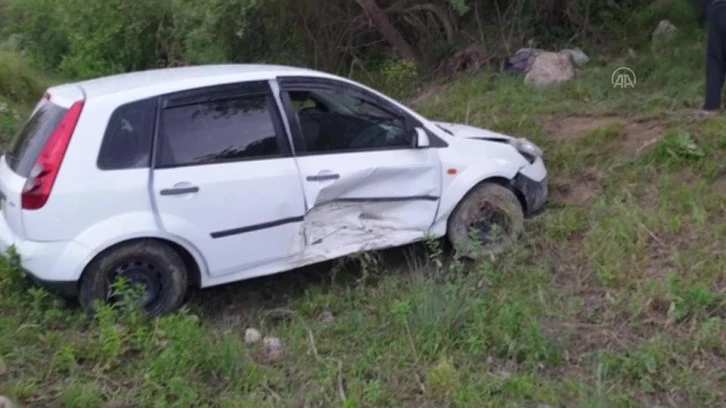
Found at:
[142, 275]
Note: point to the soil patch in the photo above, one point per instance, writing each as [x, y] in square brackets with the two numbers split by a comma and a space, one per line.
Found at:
[719, 185]
[579, 191]
[638, 133]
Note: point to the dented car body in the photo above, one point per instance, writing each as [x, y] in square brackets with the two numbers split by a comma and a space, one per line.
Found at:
[244, 171]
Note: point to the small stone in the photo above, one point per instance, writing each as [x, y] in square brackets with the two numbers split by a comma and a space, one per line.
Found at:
[326, 318]
[505, 374]
[523, 59]
[61, 303]
[4, 108]
[543, 406]
[576, 55]
[272, 348]
[665, 30]
[252, 336]
[6, 403]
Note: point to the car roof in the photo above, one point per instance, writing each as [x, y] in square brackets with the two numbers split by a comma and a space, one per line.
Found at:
[172, 79]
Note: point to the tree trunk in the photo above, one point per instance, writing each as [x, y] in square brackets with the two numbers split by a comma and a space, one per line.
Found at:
[387, 30]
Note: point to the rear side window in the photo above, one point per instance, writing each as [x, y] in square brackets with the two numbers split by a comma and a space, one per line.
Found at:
[243, 128]
[128, 138]
[25, 148]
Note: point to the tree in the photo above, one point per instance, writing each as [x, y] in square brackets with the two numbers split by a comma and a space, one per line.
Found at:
[388, 30]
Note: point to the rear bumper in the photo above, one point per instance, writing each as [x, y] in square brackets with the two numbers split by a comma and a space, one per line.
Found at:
[52, 265]
[66, 289]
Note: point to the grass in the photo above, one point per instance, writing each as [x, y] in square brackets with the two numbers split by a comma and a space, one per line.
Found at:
[616, 297]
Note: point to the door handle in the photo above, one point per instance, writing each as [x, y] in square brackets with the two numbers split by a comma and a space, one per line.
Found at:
[323, 177]
[179, 191]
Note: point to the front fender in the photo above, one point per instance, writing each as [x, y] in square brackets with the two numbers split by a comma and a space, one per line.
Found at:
[126, 227]
[464, 182]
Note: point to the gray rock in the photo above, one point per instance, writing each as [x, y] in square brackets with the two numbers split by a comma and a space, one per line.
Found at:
[576, 55]
[523, 59]
[252, 336]
[4, 108]
[272, 348]
[326, 318]
[664, 31]
[6, 403]
[550, 68]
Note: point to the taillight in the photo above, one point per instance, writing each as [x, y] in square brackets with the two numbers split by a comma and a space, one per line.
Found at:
[42, 176]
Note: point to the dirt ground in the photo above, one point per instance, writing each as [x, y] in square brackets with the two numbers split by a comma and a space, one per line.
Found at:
[637, 135]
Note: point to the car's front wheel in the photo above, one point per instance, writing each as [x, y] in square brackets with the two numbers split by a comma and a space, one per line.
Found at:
[487, 221]
[150, 266]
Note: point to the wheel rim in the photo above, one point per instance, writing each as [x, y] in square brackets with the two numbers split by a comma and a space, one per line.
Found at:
[491, 226]
[143, 275]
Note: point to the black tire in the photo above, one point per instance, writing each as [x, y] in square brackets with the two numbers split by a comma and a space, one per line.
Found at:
[485, 206]
[152, 263]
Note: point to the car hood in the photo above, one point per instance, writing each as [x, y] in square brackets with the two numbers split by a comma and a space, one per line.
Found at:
[470, 132]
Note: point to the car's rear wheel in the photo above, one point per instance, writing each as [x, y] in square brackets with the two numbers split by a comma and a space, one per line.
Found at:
[488, 221]
[150, 266]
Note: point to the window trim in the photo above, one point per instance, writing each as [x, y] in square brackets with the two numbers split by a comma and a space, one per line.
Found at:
[298, 83]
[153, 103]
[218, 93]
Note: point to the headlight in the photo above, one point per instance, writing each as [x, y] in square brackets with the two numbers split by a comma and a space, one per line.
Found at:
[528, 149]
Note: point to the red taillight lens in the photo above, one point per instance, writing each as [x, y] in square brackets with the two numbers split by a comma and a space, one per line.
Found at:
[42, 177]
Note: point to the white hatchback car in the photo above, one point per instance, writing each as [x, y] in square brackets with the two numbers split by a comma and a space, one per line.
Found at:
[213, 174]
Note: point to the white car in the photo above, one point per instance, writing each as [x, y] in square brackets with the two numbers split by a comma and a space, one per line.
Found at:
[212, 174]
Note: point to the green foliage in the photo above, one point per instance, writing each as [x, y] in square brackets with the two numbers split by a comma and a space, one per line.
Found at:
[18, 83]
[110, 36]
[461, 7]
[20, 88]
[40, 30]
[82, 395]
[213, 31]
[676, 147]
[399, 78]
[88, 39]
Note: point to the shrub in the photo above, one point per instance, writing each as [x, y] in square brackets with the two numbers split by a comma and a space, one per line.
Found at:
[18, 83]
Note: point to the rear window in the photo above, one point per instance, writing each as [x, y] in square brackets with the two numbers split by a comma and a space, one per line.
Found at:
[128, 138]
[26, 146]
[219, 131]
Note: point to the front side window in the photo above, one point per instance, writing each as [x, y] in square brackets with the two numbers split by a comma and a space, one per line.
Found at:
[338, 122]
[218, 131]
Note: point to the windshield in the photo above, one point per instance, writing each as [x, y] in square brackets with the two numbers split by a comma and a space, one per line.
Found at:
[347, 104]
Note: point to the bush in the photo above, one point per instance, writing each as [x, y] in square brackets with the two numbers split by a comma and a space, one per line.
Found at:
[88, 39]
[18, 82]
[398, 78]
[91, 38]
